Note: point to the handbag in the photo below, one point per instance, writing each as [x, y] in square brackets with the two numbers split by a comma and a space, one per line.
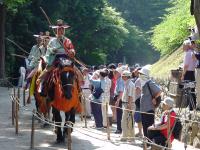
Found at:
[158, 99]
[97, 92]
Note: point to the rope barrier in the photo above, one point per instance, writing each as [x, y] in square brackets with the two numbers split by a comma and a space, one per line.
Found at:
[193, 121]
[68, 126]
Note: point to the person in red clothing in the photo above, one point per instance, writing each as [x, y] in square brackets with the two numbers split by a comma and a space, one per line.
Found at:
[159, 133]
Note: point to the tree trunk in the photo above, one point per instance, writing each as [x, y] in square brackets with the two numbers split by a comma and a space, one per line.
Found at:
[197, 13]
[2, 41]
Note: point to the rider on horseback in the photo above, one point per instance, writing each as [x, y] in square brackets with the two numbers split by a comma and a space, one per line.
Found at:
[60, 75]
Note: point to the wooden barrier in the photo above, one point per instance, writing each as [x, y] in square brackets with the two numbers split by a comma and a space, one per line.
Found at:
[33, 129]
[69, 138]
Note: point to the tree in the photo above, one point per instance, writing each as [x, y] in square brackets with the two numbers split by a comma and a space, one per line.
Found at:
[197, 13]
[171, 32]
[4, 6]
[2, 41]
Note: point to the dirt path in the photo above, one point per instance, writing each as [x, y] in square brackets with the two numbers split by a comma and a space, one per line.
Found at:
[82, 138]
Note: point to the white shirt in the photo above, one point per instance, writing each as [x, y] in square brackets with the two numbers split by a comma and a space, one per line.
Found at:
[129, 91]
[188, 60]
[86, 82]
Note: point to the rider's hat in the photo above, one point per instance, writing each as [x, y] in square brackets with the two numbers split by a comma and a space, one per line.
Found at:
[60, 24]
[40, 35]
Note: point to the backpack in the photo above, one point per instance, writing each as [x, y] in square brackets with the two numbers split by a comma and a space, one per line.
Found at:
[158, 99]
[97, 92]
[177, 129]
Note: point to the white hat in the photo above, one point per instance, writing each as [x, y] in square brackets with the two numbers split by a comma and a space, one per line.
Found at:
[144, 71]
[168, 101]
[187, 42]
[126, 73]
[119, 69]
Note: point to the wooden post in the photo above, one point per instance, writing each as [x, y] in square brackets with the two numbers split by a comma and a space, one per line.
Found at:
[168, 131]
[81, 116]
[16, 116]
[33, 129]
[14, 91]
[24, 97]
[108, 123]
[69, 138]
[144, 144]
[84, 105]
[13, 110]
[18, 97]
[18, 92]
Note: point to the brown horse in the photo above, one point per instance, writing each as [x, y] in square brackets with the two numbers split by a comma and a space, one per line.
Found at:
[61, 91]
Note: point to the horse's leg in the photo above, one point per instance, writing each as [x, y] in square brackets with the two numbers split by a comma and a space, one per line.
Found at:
[28, 101]
[69, 116]
[58, 121]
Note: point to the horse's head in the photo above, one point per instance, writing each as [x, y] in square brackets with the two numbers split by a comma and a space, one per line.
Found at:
[67, 81]
[62, 60]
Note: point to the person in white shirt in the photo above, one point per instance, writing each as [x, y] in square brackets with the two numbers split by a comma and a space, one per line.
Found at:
[106, 85]
[189, 64]
[86, 89]
[128, 102]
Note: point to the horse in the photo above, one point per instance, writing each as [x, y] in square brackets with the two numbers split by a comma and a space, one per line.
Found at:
[60, 91]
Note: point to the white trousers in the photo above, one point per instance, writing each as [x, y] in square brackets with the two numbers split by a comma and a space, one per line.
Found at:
[128, 130]
[104, 114]
[86, 94]
[197, 78]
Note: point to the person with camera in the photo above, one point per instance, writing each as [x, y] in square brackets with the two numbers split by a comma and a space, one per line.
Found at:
[159, 133]
[189, 64]
[150, 97]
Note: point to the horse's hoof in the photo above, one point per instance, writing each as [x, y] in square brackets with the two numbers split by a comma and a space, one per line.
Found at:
[45, 125]
[60, 140]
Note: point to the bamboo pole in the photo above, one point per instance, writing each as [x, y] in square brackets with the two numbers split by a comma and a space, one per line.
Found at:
[18, 92]
[69, 138]
[85, 116]
[33, 129]
[108, 123]
[16, 116]
[81, 115]
[13, 110]
[144, 144]
[18, 97]
[14, 91]
[168, 131]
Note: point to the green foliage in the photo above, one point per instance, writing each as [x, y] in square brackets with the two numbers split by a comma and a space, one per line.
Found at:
[142, 13]
[169, 35]
[100, 33]
[13, 4]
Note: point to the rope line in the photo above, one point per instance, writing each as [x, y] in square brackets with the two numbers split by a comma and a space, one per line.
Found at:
[68, 126]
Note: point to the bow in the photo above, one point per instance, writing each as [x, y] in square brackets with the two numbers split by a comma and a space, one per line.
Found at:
[49, 22]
